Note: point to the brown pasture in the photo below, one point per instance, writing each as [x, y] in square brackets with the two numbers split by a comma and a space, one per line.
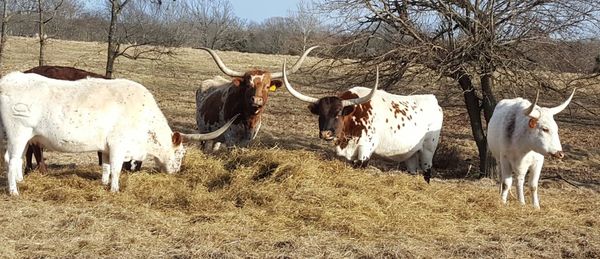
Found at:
[288, 196]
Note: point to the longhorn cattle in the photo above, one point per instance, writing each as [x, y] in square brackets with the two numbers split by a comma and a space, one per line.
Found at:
[519, 134]
[363, 122]
[217, 100]
[71, 74]
[87, 115]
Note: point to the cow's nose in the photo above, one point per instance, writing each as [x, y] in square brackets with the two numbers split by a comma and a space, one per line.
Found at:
[559, 154]
[326, 135]
[257, 101]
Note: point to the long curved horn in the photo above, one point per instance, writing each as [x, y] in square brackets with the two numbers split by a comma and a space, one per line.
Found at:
[295, 93]
[222, 66]
[366, 98]
[561, 107]
[296, 66]
[531, 108]
[210, 135]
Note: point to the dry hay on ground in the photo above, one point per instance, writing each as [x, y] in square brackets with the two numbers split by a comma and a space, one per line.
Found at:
[287, 195]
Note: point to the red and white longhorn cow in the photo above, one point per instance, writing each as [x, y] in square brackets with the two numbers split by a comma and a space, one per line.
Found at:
[363, 122]
[219, 99]
[520, 133]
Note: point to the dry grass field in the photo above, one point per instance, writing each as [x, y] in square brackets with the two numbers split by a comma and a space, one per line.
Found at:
[288, 196]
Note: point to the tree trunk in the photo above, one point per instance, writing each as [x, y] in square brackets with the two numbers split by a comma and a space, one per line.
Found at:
[474, 111]
[3, 31]
[489, 104]
[41, 36]
[113, 46]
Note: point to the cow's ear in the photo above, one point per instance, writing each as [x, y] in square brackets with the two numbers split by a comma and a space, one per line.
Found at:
[275, 84]
[314, 108]
[533, 123]
[348, 110]
[237, 81]
[176, 138]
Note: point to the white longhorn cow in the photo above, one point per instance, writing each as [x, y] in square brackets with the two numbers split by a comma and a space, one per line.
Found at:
[519, 134]
[118, 117]
[364, 121]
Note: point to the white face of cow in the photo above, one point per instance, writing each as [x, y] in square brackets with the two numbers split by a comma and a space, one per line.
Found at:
[172, 160]
[174, 163]
[542, 134]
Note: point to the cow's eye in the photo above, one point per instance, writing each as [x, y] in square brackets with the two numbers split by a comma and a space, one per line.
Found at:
[544, 129]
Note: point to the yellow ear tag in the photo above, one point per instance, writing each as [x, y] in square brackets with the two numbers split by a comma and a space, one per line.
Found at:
[273, 88]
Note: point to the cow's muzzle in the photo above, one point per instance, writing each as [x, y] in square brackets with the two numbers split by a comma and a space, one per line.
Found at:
[326, 135]
[558, 154]
[257, 101]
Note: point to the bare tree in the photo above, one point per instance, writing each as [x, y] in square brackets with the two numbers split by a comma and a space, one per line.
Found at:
[129, 35]
[46, 11]
[213, 21]
[470, 42]
[307, 22]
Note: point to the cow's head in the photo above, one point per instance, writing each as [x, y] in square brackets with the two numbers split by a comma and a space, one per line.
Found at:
[254, 85]
[542, 133]
[333, 111]
[175, 157]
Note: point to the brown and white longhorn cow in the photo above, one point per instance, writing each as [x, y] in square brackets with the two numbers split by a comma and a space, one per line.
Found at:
[364, 121]
[219, 99]
[69, 74]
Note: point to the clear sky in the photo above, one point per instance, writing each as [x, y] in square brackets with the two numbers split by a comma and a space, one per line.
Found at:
[259, 10]
[251, 10]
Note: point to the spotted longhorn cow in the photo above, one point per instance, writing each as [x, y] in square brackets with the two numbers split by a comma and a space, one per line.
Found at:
[520, 133]
[219, 99]
[70, 74]
[84, 116]
[363, 122]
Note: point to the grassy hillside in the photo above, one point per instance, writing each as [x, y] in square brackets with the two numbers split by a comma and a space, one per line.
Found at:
[287, 195]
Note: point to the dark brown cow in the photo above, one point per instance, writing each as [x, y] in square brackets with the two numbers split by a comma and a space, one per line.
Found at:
[247, 93]
[70, 74]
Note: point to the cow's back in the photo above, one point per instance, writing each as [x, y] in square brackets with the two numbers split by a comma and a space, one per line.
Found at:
[400, 124]
[63, 73]
[89, 110]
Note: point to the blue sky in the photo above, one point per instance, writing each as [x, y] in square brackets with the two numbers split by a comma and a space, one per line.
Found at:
[251, 10]
[259, 10]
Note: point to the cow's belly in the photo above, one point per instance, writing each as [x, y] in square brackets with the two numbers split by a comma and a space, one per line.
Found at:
[66, 143]
[399, 147]
[72, 134]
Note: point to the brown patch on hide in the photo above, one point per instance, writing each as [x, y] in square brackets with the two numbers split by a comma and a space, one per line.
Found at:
[354, 123]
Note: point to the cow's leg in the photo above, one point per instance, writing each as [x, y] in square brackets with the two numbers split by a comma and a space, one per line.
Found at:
[105, 167]
[39, 158]
[363, 155]
[412, 163]
[534, 177]
[128, 165]
[100, 158]
[116, 162]
[506, 179]
[521, 171]
[16, 148]
[426, 158]
[29, 158]
[207, 146]
[137, 165]
[216, 146]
